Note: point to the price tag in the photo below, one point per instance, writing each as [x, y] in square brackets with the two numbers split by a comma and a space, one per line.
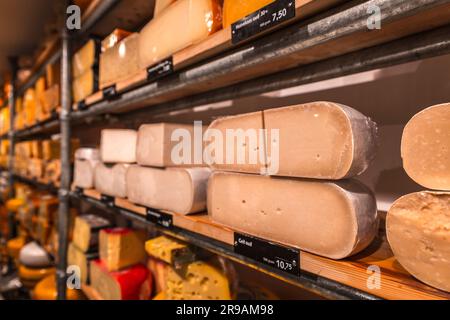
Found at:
[82, 105]
[110, 93]
[160, 218]
[108, 200]
[265, 18]
[277, 256]
[160, 69]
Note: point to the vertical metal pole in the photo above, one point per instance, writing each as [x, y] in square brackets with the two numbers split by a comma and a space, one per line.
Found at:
[64, 205]
[12, 113]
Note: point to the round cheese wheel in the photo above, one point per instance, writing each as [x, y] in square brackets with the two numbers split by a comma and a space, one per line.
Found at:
[34, 256]
[14, 246]
[46, 290]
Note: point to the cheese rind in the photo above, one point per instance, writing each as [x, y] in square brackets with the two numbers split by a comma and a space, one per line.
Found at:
[84, 173]
[170, 250]
[87, 154]
[86, 231]
[418, 231]
[235, 10]
[180, 190]
[183, 23]
[118, 145]
[335, 220]
[80, 259]
[425, 147]
[111, 181]
[33, 255]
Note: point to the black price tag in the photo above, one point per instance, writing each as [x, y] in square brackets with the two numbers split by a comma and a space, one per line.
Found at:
[160, 69]
[277, 256]
[265, 18]
[160, 218]
[82, 105]
[110, 93]
[108, 200]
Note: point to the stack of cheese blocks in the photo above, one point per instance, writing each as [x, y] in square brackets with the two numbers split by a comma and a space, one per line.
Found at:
[86, 159]
[418, 224]
[4, 121]
[4, 153]
[119, 274]
[295, 194]
[180, 276]
[85, 70]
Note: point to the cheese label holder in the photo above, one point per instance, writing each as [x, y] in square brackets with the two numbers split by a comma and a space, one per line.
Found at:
[78, 191]
[277, 256]
[110, 93]
[107, 200]
[263, 19]
[160, 218]
[160, 69]
[82, 105]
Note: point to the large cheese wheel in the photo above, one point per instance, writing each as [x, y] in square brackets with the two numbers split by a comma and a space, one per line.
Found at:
[418, 231]
[76, 257]
[118, 145]
[127, 284]
[84, 173]
[34, 256]
[426, 147]
[234, 10]
[334, 220]
[86, 231]
[111, 181]
[176, 190]
[14, 246]
[183, 23]
[169, 145]
[31, 276]
[46, 290]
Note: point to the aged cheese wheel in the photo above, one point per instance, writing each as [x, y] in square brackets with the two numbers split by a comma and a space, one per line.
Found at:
[86, 58]
[334, 220]
[121, 247]
[180, 25]
[126, 284]
[418, 231]
[426, 147]
[86, 231]
[118, 145]
[234, 10]
[179, 190]
[46, 290]
[84, 173]
[14, 246]
[31, 276]
[76, 257]
[169, 145]
[111, 181]
[34, 256]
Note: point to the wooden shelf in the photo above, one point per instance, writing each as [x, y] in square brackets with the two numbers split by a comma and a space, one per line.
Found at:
[395, 282]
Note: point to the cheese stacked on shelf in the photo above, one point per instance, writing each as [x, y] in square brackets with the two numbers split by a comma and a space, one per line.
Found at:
[85, 70]
[234, 10]
[119, 274]
[259, 186]
[418, 224]
[4, 153]
[86, 160]
[164, 178]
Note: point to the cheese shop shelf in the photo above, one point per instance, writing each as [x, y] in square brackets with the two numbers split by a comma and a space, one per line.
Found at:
[40, 185]
[48, 126]
[333, 44]
[347, 278]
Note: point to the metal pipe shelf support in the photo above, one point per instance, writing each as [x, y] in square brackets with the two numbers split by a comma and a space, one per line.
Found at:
[12, 112]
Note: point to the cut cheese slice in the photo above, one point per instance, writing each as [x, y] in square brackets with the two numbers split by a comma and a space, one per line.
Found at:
[76, 257]
[234, 10]
[111, 181]
[169, 250]
[160, 6]
[418, 231]
[426, 147]
[173, 189]
[84, 173]
[200, 281]
[164, 144]
[86, 231]
[334, 220]
[86, 58]
[85, 85]
[183, 23]
[119, 62]
[120, 285]
[118, 145]
[33, 255]
[121, 247]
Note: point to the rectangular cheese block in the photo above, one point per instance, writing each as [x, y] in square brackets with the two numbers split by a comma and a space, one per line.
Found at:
[114, 38]
[169, 250]
[51, 98]
[87, 154]
[320, 140]
[418, 231]
[86, 231]
[234, 10]
[36, 168]
[334, 220]
[169, 145]
[86, 58]
[36, 149]
[127, 284]
[29, 105]
[80, 259]
[51, 149]
[111, 180]
[176, 190]
[53, 73]
[425, 147]
[183, 23]
[160, 6]
[52, 171]
[85, 85]
[119, 62]
[118, 145]
[121, 247]
[84, 173]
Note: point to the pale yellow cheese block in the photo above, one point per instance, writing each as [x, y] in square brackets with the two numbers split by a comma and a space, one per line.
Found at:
[84, 85]
[86, 231]
[111, 181]
[85, 58]
[169, 250]
[182, 24]
[426, 147]
[77, 258]
[169, 145]
[334, 220]
[118, 145]
[418, 231]
[179, 190]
